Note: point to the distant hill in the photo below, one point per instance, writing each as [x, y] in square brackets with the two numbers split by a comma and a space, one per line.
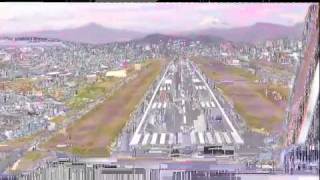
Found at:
[156, 38]
[90, 33]
[97, 34]
[253, 34]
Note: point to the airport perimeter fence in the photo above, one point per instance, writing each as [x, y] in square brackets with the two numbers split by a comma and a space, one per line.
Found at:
[63, 171]
[204, 175]
[81, 171]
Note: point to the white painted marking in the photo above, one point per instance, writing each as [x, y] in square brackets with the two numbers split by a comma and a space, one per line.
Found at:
[226, 137]
[154, 105]
[193, 137]
[201, 137]
[171, 138]
[145, 138]
[165, 105]
[202, 104]
[212, 104]
[154, 138]
[238, 139]
[209, 137]
[168, 81]
[208, 105]
[159, 105]
[218, 137]
[15, 165]
[151, 101]
[235, 137]
[162, 138]
[195, 80]
[135, 140]
[184, 119]
[180, 138]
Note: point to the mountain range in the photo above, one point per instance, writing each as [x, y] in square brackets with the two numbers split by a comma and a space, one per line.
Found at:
[255, 33]
[156, 38]
[90, 33]
[97, 34]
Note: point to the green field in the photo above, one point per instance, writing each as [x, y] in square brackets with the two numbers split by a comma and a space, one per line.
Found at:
[92, 92]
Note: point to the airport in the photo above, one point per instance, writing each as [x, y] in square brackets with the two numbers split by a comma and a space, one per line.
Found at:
[184, 115]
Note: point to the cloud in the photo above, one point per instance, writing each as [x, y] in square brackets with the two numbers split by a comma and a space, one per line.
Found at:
[146, 17]
[292, 18]
[211, 22]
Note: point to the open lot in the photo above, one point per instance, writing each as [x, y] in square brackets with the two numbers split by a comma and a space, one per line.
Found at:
[18, 85]
[259, 111]
[94, 132]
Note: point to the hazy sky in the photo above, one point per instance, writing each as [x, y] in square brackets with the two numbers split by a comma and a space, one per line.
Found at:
[146, 17]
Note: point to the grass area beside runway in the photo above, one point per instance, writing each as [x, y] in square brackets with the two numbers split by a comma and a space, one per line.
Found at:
[17, 143]
[58, 119]
[94, 132]
[260, 112]
[92, 92]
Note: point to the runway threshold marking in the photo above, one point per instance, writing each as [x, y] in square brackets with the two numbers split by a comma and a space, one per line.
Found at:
[151, 101]
[236, 134]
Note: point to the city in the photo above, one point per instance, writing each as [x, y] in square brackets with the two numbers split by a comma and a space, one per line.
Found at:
[96, 103]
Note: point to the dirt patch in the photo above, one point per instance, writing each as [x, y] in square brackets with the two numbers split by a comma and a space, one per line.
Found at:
[19, 85]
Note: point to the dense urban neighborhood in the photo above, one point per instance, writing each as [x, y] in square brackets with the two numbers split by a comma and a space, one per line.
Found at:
[40, 76]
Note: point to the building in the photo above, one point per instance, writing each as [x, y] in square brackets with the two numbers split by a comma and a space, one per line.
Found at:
[234, 62]
[91, 78]
[137, 67]
[302, 120]
[117, 73]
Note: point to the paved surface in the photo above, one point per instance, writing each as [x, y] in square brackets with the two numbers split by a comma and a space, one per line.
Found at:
[183, 112]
